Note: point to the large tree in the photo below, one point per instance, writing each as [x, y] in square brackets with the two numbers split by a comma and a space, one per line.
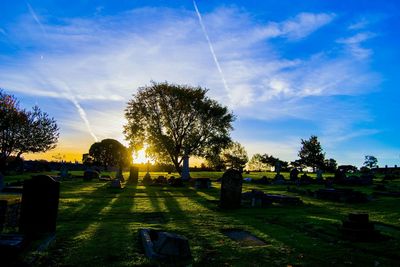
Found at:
[110, 152]
[23, 131]
[311, 153]
[176, 120]
[234, 156]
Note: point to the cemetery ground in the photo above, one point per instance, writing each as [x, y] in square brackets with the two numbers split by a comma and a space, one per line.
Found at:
[98, 226]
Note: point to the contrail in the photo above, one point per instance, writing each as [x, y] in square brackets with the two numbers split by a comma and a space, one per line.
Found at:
[83, 116]
[70, 96]
[35, 17]
[210, 46]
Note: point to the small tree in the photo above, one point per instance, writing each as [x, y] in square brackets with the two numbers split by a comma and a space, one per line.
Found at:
[234, 156]
[311, 153]
[24, 131]
[370, 161]
[274, 162]
[176, 120]
[110, 152]
[330, 165]
[256, 163]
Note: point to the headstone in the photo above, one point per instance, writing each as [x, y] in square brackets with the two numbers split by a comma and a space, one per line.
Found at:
[278, 167]
[165, 247]
[147, 178]
[255, 198]
[231, 189]
[319, 175]
[294, 175]
[89, 175]
[279, 179]
[1, 182]
[116, 183]
[244, 238]
[64, 172]
[202, 183]
[119, 176]
[39, 206]
[133, 175]
[185, 168]
[357, 227]
[175, 182]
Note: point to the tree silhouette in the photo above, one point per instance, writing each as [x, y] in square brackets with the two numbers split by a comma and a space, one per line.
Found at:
[174, 120]
[24, 131]
[370, 161]
[110, 152]
[311, 153]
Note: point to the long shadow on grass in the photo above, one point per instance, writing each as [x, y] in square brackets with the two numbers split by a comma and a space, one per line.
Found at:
[187, 222]
[87, 229]
[297, 233]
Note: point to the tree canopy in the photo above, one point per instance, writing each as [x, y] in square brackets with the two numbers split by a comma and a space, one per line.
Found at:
[311, 153]
[234, 156]
[23, 131]
[257, 163]
[110, 152]
[174, 120]
[370, 161]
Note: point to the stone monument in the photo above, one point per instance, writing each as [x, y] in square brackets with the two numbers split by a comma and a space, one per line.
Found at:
[231, 189]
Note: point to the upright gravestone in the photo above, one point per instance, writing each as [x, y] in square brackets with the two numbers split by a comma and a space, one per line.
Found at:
[185, 168]
[294, 175]
[64, 172]
[39, 207]
[119, 175]
[133, 175]
[231, 189]
[319, 175]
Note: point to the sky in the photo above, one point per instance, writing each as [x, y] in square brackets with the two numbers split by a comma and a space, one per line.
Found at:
[287, 69]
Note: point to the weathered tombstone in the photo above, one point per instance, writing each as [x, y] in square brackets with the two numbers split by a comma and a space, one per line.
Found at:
[64, 172]
[175, 182]
[147, 178]
[133, 175]
[166, 248]
[39, 206]
[202, 183]
[119, 175]
[279, 179]
[294, 174]
[231, 189]
[116, 183]
[185, 168]
[89, 175]
[357, 227]
[278, 168]
[319, 175]
[1, 182]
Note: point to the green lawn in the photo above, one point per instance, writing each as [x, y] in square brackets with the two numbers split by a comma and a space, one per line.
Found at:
[98, 226]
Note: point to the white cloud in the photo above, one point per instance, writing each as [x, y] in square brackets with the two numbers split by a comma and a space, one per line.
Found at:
[296, 28]
[108, 58]
[353, 44]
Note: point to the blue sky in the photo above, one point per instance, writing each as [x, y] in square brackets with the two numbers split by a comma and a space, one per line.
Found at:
[287, 69]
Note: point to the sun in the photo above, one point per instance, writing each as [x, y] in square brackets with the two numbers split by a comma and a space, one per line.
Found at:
[140, 157]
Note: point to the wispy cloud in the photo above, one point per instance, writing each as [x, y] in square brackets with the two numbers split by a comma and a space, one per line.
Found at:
[107, 58]
[297, 27]
[353, 44]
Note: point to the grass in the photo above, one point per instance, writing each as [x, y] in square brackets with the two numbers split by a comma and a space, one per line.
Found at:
[98, 226]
